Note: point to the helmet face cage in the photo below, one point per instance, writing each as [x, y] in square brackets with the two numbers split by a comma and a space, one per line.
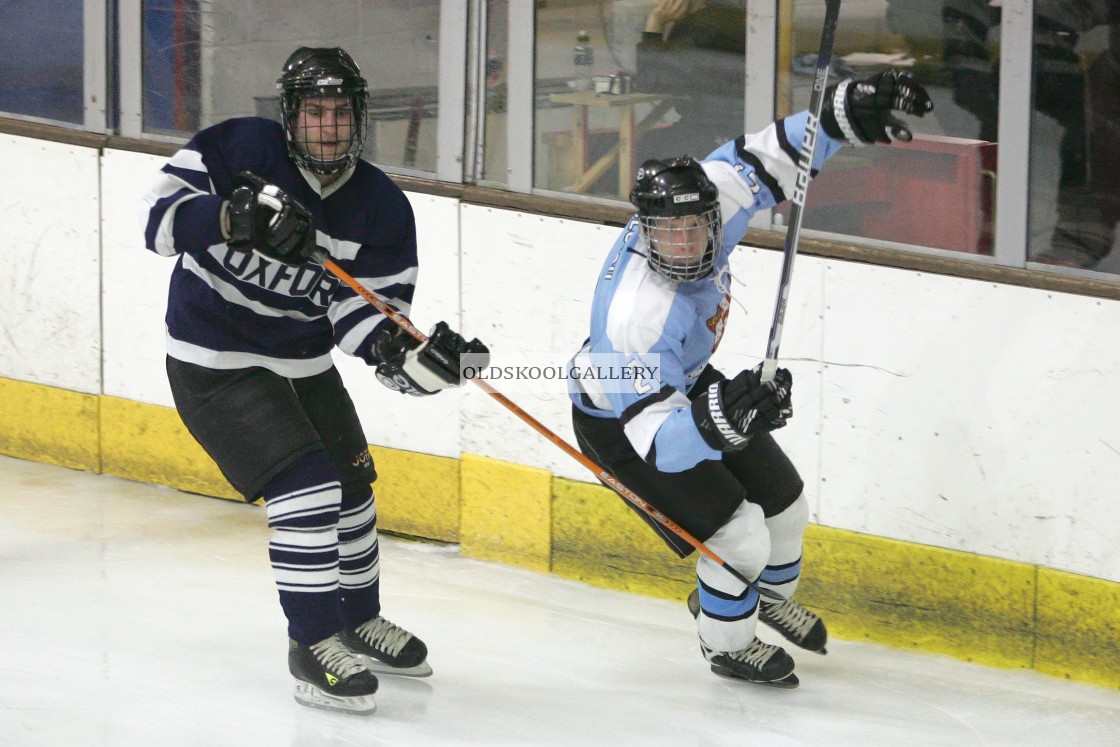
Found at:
[685, 247]
[679, 218]
[324, 137]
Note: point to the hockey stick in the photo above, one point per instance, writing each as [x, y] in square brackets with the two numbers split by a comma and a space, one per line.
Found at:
[606, 477]
[801, 186]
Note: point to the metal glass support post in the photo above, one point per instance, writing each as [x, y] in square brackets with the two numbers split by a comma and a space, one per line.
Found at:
[452, 90]
[520, 105]
[95, 93]
[761, 73]
[1016, 72]
[129, 21]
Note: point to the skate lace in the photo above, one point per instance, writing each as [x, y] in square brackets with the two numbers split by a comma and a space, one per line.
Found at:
[792, 616]
[336, 658]
[756, 654]
[383, 635]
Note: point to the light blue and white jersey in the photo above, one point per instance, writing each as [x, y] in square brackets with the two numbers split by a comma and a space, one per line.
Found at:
[637, 312]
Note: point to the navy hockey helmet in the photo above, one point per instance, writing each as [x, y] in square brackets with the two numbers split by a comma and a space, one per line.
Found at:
[324, 140]
[679, 217]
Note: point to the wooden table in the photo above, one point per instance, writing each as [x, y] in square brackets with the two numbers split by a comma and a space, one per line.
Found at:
[628, 130]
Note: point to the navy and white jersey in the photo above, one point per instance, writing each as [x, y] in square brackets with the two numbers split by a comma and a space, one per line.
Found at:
[229, 309]
[638, 312]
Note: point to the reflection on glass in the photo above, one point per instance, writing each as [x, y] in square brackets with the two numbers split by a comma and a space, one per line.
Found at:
[497, 36]
[1103, 83]
[41, 60]
[695, 52]
[171, 67]
[936, 191]
[624, 81]
[217, 59]
[1074, 193]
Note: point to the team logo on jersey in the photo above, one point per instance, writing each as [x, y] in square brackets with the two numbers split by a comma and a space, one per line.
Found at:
[718, 321]
[308, 280]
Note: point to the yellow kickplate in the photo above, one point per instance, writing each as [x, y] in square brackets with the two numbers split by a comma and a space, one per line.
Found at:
[47, 424]
[150, 444]
[506, 513]
[902, 594]
[1078, 628]
[598, 539]
[417, 494]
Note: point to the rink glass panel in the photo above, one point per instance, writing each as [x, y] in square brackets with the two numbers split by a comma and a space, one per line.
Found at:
[41, 59]
[937, 191]
[605, 100]
[1074, 193]
[163, 70]
[205, 62]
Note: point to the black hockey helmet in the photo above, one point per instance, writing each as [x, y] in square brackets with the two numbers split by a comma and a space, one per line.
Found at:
[679, 216]
[311, 72]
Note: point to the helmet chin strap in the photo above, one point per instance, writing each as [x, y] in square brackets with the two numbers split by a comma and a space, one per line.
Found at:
[327, 168]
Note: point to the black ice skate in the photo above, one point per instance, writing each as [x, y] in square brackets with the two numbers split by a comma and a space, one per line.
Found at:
[799, 625]
[761, 663]
[329, 675]
[384, 647]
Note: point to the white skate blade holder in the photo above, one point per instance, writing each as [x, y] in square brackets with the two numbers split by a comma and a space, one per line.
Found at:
[309, 695]
[423, 669]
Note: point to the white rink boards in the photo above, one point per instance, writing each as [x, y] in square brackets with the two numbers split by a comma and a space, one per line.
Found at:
[929, 409]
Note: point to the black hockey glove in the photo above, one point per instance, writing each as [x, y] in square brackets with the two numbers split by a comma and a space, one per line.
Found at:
[265, 219]
[730, 412]
[859, 111]
[409, 366]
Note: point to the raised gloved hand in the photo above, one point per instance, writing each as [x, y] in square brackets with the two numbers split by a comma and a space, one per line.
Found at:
[731, 411]
[860, 111]
[265, 219]
[422, 368]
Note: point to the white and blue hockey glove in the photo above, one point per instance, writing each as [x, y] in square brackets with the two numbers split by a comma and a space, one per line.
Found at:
[860, 112]
[421, 368]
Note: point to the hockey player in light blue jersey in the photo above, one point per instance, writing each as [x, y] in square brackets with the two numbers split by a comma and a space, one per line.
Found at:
[250, 328]
[690, 441]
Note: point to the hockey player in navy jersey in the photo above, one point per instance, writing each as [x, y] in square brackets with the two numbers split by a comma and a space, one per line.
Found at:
[250, 328]
[692, 442]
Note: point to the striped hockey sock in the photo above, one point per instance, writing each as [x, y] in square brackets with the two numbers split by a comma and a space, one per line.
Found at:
[359, 560]
[302, 504]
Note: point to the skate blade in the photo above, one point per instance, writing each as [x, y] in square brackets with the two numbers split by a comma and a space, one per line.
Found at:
[788, 682]
[423, 669]
[311, 696]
